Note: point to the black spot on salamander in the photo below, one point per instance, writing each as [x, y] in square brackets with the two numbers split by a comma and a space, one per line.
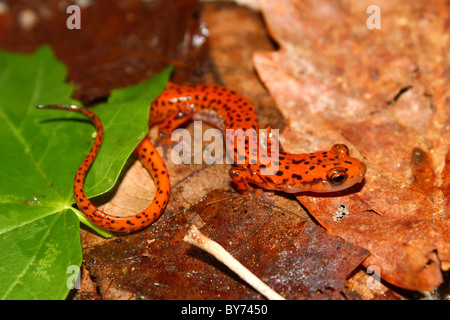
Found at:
[268, 179]
[296, 176]
[298, 161]
[279, 173]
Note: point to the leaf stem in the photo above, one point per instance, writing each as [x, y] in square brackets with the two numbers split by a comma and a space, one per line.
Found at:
[103, 232]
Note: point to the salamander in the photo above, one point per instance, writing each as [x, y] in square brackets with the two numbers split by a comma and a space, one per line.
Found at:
[147, 155]
[323, 171]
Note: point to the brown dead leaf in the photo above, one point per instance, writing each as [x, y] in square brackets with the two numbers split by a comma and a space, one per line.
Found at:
[120, 43]
[294, 257]
[384, 92]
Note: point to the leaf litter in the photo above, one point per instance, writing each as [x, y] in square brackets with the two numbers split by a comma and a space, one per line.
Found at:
[190, 183]
[383, 92]
[121, 267]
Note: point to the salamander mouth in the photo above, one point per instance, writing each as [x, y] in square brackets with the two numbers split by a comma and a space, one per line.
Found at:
[317, 185]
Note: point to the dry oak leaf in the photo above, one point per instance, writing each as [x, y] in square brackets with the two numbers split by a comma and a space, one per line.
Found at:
[385, 93]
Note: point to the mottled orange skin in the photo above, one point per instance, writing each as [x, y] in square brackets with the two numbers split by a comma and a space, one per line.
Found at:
[323, 171]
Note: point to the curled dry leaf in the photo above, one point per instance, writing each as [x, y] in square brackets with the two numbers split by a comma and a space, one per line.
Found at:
[385, 93]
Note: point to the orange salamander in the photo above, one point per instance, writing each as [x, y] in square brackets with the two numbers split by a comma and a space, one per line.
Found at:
[324, 171]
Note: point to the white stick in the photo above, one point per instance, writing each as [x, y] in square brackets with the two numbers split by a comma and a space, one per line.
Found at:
[195, 237]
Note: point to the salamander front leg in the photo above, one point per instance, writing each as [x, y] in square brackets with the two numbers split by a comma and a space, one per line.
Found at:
[243, 178]
[240, 177]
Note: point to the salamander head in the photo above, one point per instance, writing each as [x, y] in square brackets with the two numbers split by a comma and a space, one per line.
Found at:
[324, 171]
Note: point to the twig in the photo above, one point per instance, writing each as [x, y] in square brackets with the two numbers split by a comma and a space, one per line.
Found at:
[195, 237]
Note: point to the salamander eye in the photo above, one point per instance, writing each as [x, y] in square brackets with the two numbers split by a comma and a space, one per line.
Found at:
[341, 148]
[336, 176]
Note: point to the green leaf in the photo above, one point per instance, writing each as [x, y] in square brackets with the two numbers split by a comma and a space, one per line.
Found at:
[41, 151]
[125, 123]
